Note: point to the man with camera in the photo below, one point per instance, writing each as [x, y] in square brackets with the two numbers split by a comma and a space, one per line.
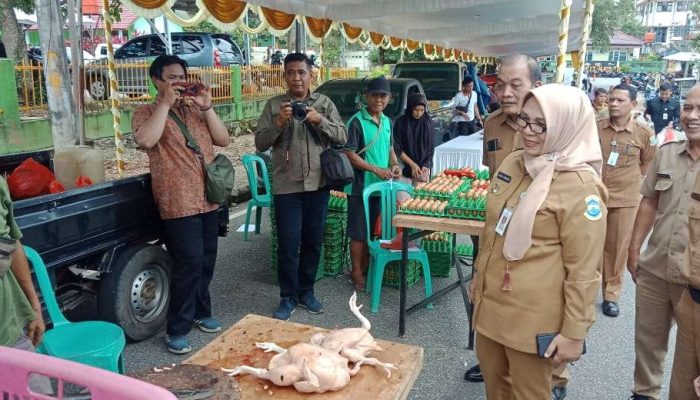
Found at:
[466, 112]
[298, 126]
[371, 153]
[190, 220]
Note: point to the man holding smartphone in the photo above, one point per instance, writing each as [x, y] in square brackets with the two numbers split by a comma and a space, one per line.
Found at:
[371, 152]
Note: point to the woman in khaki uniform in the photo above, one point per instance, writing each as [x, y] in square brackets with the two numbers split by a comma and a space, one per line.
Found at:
[537, 271]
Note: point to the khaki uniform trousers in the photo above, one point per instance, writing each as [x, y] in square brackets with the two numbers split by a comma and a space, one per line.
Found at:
[617, 239]
[655, 305]
[513, 375]
[686, 362]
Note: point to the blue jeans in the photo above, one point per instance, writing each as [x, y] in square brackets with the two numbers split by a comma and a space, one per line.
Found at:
[192, 243]
[300, 220]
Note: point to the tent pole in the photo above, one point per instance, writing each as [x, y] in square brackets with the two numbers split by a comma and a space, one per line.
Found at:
[587, 22]
[564, 15]
[113, 94]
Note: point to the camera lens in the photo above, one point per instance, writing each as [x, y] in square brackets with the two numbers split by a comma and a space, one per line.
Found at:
[299, 111]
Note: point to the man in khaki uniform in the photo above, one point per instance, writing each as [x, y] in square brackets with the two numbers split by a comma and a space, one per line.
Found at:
[686, 363]
[628, 149]
[517, 75]
[660, 285]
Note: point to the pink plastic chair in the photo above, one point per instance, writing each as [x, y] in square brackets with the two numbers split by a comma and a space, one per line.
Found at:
[17, 365]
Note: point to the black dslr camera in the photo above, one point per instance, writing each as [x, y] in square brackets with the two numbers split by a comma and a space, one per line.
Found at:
[299, 110]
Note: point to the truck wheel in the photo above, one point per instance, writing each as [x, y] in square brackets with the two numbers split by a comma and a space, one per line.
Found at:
[98, 86]
[136, 293]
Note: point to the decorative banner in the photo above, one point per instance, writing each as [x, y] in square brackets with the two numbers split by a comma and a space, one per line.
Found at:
[412, 45]
[438, 51]
[352, 33]
[225, 11]
[377, 38]
[318, 28]
[429, 51]
[148, 8]
[279, 22]
[396, 43]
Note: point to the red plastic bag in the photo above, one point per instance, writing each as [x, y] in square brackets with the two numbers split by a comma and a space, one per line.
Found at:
[56, 187]
[30, 179]
[83, 181]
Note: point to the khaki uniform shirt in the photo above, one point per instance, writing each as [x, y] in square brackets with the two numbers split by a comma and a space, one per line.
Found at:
[601, 113]
[670, 178]
[691, 266]
[296, 163]
[636, 148]
[500, 139]
[554, 286]
[177, 174]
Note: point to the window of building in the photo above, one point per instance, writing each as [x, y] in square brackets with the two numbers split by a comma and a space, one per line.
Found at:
[661, 33]
[617, 55]
[589, 55]
[683, 5]
[664, 6]
[679, 31]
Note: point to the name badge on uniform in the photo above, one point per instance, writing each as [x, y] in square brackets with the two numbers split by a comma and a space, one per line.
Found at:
[503, 221]
[612, 159]
[664, 116]
[504, 177]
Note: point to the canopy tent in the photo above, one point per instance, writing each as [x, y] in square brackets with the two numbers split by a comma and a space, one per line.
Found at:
[486, 28]
[683, 56]
[467, 30]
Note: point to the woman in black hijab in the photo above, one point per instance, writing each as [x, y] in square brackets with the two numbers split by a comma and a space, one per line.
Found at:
[414, 140]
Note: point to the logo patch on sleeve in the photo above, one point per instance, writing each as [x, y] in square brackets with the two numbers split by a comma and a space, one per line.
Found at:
[593, 211]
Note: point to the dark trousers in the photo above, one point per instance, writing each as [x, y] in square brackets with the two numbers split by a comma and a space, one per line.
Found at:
[300, 219]
[192, 242]
[466, 128]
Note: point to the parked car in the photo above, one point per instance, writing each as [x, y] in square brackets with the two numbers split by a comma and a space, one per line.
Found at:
[101, 50]
[199, 49]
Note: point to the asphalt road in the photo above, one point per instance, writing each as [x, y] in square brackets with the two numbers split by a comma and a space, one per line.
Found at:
[244, 284]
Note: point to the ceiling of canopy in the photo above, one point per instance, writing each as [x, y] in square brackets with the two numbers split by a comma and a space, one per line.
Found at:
[481, 27]
[484, 27]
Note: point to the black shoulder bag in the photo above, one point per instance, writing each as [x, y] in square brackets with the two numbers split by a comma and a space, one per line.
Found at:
[218, 175]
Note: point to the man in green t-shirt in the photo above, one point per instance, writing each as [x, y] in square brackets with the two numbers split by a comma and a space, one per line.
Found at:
[371, 153]
[22, 325]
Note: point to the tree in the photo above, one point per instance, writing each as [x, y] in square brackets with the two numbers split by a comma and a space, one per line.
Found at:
[614, 15]
[13, 37]
[387, 56]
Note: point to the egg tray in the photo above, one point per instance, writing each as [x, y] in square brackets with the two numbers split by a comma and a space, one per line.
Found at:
[477, 214]
[465, 186]
[435, 214]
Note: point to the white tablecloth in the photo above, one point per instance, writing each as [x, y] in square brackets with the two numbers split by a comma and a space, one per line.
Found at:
[460, 152]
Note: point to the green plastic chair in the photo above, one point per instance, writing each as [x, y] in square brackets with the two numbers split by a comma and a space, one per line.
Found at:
[95, 343]
[379, 257]
[257, 200]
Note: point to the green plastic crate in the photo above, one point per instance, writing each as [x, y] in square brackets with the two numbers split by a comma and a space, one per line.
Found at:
[439, 256]
[414, 271]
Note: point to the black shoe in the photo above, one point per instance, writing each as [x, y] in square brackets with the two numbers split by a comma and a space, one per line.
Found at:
[558, 393]
[611, 309]
[473, 374]
[639, 397]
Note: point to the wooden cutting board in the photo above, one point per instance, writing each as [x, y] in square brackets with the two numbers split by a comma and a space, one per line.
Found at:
[236, 346]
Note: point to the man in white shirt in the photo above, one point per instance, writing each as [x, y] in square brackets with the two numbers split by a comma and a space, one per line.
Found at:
[466, 113]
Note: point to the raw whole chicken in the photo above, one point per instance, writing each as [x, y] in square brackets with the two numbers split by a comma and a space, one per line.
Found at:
[353, 343]
[309, 368]
[322, 364]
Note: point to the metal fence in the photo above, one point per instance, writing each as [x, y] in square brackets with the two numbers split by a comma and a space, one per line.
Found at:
[257, 82]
